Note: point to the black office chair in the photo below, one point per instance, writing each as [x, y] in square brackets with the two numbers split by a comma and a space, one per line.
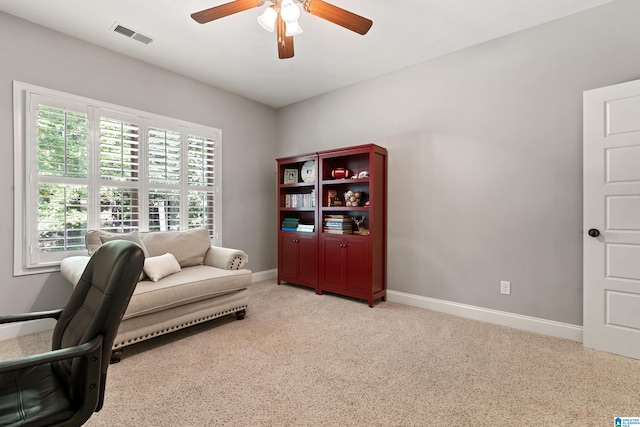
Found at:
[65, 386]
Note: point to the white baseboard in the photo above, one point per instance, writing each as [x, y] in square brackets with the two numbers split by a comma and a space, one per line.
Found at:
[503, 318]
[14, 330]
[264, 275]
[517, 321]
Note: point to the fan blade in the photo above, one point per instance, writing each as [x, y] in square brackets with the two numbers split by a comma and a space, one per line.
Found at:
[285, 43]
[226, 9]
[338, 16]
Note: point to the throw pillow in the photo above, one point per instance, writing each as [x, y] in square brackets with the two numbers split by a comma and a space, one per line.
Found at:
[157, 267]
[188, 246]
[131, 237]
[95, 238]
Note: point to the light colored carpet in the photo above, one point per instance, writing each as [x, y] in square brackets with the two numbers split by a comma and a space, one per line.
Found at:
[299, 359]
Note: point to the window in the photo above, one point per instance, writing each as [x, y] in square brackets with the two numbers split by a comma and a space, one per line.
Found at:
[83, 164]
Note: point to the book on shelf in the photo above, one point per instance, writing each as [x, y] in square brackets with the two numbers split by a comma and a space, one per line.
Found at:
[295, 200]
[338, 218]
[306, 228]
[338, 224]
[337, 231]
[290, 224]
[289, 228]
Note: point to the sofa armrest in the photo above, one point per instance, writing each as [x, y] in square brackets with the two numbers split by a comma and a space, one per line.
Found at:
[225, 258]
[72, 268]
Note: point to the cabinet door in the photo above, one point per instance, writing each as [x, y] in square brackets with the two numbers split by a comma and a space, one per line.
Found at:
[288, 261]
[332, 264]
[307, 259]
[358, 266]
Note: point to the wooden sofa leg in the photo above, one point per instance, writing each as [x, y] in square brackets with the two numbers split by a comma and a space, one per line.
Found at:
[240, 314]
[116, 355]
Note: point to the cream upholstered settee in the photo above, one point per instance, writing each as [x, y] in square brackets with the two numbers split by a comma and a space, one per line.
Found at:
[196, 283]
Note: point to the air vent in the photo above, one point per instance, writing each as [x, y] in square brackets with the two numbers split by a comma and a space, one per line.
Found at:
[120, 29]
[142, 38]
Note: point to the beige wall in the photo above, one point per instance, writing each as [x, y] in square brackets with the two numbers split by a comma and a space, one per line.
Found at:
[485, 159]
[39, 56]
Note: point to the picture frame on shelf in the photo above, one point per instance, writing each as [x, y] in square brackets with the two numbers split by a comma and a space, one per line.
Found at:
[331, 197]
[290, 176]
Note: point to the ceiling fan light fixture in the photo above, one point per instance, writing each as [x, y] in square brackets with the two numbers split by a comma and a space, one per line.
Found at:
[289, 11]
[282, 16]
[293, 28]
[267, 19]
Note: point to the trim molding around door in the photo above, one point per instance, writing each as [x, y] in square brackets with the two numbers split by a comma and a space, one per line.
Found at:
[503, 318]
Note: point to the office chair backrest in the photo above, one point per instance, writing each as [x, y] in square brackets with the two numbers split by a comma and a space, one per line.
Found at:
[96, 307]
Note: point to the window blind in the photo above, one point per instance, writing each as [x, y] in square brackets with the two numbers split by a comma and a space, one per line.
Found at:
[92, 165]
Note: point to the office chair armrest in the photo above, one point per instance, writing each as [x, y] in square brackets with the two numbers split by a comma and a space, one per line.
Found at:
[92, 347]
[36, 315]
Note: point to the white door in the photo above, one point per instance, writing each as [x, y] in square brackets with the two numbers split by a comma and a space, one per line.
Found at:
[612, 215]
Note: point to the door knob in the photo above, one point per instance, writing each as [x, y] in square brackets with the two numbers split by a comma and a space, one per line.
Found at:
[594, 232]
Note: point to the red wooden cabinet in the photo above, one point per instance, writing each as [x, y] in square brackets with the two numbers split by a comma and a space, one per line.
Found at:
[298, 220]
[352, 258]
[348, 186]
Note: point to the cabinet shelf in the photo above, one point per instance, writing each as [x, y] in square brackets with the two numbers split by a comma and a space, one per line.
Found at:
[346, 236]
[299, 185]
[345, 208]
[298, 209]
[328, 182]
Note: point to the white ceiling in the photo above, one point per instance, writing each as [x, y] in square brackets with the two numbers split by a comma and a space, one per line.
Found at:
[236, 54]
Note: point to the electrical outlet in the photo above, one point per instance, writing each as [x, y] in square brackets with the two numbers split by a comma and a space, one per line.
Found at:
[505, 288]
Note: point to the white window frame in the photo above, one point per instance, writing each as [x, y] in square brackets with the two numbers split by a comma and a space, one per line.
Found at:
[25, 165]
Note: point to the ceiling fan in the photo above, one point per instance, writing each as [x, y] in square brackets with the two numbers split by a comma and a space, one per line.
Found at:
[282, 15]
